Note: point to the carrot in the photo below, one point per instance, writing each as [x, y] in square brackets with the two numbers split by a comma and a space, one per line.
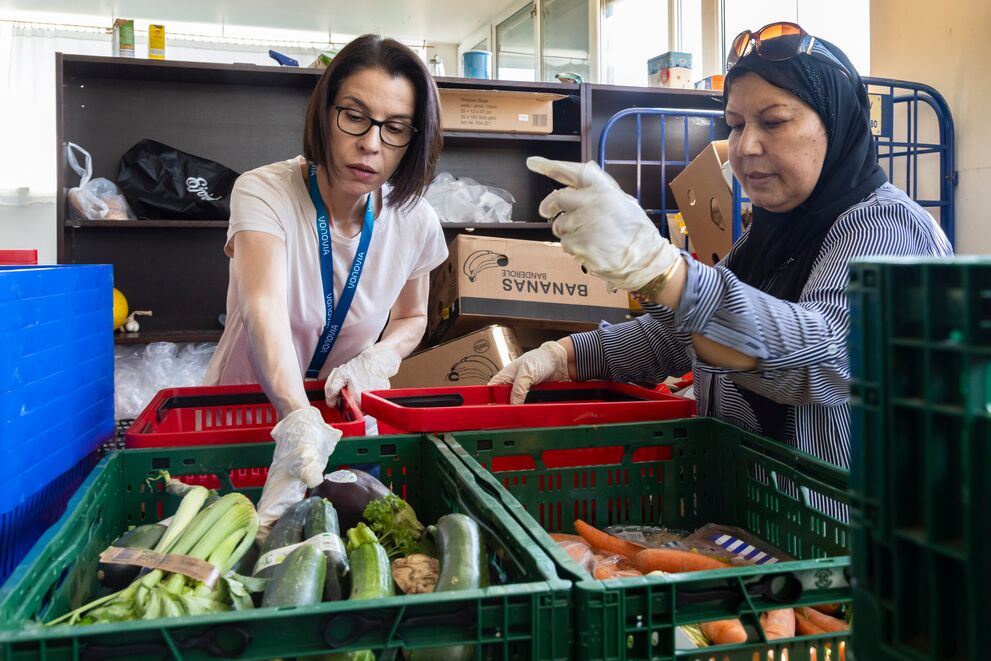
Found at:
[562, 537]
[823, 621]
[829, 609]
[674, 561]
[613, 566]
[804, 627]
[724, 632]
[778, 623]
[580, 553]
[606, 542]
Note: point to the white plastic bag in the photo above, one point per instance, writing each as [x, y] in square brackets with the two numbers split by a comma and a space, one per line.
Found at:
[141, 371]
[94, 199]
[465, 200]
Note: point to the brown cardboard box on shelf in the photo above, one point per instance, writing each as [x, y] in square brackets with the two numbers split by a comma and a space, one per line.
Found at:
[706, 203]
[489, 280]
[497, 110]
[470, 360]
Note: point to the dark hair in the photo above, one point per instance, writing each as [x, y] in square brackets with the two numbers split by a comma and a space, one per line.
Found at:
[371, 51]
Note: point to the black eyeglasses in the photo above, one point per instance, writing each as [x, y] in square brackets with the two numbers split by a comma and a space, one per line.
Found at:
[778, 42]
[355, 122]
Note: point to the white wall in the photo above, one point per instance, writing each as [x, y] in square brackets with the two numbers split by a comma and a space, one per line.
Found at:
[28, 226]
[946, 45]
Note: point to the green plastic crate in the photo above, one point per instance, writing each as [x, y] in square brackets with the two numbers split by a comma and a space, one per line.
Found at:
[526, 616]
[680, 474]
[920, 346]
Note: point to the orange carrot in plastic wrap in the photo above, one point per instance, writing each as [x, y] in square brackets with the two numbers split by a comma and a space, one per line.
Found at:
[602, 541]
[563, 537]
[778, 623]
[804, 627]
[580, 552]
[674, 561]
[823, 621]
[613, 566]
[724, 632]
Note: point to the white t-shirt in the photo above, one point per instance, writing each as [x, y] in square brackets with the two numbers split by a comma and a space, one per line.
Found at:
[274, 199]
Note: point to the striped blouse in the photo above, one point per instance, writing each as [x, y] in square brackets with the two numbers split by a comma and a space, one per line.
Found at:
[800, 348]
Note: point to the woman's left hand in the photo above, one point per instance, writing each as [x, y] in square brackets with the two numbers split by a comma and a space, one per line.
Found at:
[369, 370]
[602, 226]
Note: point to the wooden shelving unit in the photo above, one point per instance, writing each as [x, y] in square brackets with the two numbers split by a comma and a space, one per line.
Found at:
[245, 116]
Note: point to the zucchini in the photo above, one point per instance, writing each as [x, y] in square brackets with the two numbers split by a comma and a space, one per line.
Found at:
[320, 519]
[297, 580]
[371, 573]
[287, 530]
[463, 566]
[118, 577]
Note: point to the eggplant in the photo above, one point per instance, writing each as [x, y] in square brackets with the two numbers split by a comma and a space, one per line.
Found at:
[350, 491]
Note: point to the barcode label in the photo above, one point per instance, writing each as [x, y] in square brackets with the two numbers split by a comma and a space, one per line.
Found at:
[540, 120]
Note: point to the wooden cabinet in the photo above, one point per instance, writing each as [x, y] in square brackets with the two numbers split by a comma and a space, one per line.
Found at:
[245, 116]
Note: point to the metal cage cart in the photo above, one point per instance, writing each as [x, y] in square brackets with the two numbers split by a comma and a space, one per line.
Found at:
[911, 122]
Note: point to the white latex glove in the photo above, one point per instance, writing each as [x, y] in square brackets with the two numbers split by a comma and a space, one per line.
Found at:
[369, 370]
[548, 362]
[303, 444]
[602, 226]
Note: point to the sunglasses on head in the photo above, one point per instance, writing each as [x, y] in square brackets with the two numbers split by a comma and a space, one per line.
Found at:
[777, 42]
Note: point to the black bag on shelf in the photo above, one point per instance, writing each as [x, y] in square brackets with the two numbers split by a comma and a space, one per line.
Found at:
[162, 182]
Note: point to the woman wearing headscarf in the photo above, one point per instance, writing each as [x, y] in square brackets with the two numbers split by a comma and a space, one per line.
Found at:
[764, 331]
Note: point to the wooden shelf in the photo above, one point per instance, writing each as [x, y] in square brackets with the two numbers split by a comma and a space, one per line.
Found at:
[167, 336]
[147, 224]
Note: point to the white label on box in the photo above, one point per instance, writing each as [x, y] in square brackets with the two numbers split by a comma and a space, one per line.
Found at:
[877, 118]
[523, 117]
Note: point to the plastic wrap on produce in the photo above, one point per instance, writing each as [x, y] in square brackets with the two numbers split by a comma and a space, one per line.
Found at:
[140, 371]
[465, 200]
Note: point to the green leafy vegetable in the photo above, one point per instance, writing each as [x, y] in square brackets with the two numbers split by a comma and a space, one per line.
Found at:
[396, 525]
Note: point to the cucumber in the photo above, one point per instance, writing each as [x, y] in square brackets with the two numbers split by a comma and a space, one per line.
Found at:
[286, 531]
[463, 566]
[297, 580]
[118, 577]
[322, 518]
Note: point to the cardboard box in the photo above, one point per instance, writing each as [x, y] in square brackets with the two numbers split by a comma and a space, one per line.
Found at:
[123, 38]
[714, 83]
[706, 203]
[489, 280]
[497, 111]
[156, 42]
[672, 69]
[470, 360]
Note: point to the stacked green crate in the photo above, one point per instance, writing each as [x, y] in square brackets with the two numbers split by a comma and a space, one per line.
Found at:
[680, 474]
[524, 614]
[920, 349]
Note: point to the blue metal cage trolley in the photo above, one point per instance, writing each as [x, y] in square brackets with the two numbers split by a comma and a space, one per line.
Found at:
[913, 134]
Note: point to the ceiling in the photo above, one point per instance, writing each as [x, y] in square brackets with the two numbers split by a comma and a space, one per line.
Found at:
[434, 21]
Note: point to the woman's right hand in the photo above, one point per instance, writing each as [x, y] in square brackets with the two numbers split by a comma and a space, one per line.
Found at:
[548, 362]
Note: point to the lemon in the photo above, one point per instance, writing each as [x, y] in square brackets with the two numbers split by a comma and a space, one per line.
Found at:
[120, 308]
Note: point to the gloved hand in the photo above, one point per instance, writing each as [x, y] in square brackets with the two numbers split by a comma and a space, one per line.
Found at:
[369, 370]
[548, 362]
[303, 444]
[602, 226]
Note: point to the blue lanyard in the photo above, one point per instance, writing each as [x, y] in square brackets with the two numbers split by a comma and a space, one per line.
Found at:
[335, 314]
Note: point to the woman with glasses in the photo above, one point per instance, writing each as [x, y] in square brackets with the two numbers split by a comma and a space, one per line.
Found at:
[765, 330]
[331, 252]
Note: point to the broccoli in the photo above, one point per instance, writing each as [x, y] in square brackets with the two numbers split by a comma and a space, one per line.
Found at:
[395, 523]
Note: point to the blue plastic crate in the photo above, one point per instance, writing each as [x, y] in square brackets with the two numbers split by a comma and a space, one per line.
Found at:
[24, 341]
[29, 312]
[20, 282]
[22, 525]
[22, 402]
[36, 366]
[18, 430]
[78, 428]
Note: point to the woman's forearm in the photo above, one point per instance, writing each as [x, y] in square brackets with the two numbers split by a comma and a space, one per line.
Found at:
[273, 357]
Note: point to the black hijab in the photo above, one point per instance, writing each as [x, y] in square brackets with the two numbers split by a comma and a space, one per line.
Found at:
[781, 248]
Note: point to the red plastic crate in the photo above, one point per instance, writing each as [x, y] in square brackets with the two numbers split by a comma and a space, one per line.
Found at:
[18, 257]
[471, 408]
[222, 415]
